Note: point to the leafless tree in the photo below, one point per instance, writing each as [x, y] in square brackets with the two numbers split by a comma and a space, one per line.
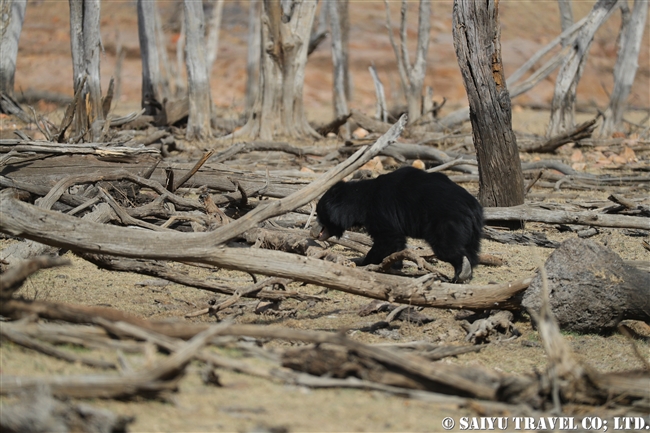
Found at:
[278, 110]
[343, 9]
[151, 77]
[564, 98]
[166, 65]
[566, 16]
[213, 34]
[476, 34]
[338, 62]
[85, 42]
[412, 76]
[629, 45]
[198, 123]
[12, 14]
[253, 54]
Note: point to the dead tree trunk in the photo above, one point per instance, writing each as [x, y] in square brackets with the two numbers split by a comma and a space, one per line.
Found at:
[591, 289]
[151, 77]
[629, 45]
[566, 16]
[12, 14]
[254, 54]
[166, 66]
[278, 110]
[343, 7]
[564, 98]
[85, 45]
[213, 34]
[382, 111]
[338, 62]
[412, 76]
[476, 35]
[198, 122]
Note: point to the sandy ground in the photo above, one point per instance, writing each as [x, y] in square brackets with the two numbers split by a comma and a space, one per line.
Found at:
[244, 403]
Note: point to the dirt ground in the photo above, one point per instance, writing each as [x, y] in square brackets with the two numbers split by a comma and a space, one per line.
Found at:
[245, 403]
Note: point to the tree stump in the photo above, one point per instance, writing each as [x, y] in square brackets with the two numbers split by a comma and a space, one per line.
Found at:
[591, 289]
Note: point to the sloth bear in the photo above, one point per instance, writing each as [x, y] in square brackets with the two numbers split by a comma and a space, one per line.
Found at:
[407, 202]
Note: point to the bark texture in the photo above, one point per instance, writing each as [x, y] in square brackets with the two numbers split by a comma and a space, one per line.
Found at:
[627, 63]
[278, 110]
[149, 52]
[198, 122]
[478, 48]
[566, 15]
[566, 84]
[412, 76]
[85, 43]
[253, 54]
[338, 61]
[12, 14]
[590, 288]
[213, 34]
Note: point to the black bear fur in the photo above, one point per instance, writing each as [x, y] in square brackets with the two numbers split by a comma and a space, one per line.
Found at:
[407, 202]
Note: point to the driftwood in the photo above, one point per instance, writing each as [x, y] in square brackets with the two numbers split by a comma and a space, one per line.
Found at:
[509, 237]
[577, 133]
[493, 328]
[391, 367]
[334, 125]
[404, 151]
[37, 411]
[162, 377]
[382, 368]
[592, 288]
[529, 213]
[56, 229]
[368, 123]
[14, 277]
[8, 332]
[566, 379]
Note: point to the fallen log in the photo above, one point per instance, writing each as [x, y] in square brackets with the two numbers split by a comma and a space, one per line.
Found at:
[582, 131]
[529, 213]
[592, 289]
[53, 228]
[38, 411]
[14, 277]
[162, 377]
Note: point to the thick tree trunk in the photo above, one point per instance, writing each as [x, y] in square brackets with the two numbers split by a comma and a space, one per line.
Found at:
[278, 110]
[151, 76]
[12, 14]
[630, 38]
[564, 98]
[476, 39]
[338, 61]
[198, 123]
[85, 42]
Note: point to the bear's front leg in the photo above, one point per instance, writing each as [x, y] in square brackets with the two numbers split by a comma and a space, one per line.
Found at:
[384, 245]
